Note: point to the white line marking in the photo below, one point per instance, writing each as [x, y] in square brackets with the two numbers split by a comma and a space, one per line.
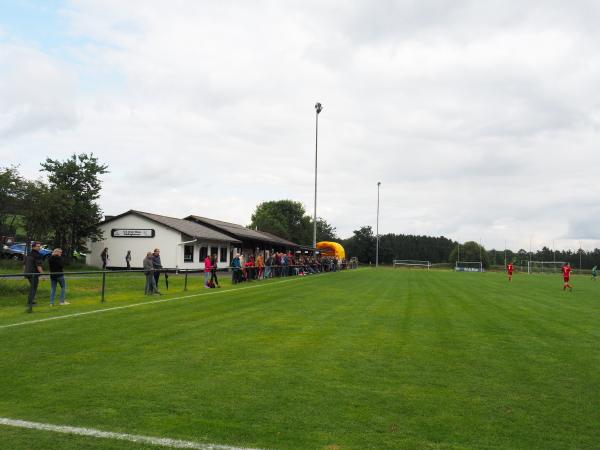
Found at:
[165, 442]
[67, 316]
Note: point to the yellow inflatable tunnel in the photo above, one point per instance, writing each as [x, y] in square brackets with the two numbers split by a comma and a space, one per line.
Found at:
[331, 249]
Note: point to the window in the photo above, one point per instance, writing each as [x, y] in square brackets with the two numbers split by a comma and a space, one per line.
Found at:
[203, 253]
[223, 254]
[214, 251]
[188, 253]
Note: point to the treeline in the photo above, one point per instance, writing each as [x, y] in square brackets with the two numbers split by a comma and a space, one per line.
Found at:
[397, 246]
[61, 211]
[443, 250]
[588, 259]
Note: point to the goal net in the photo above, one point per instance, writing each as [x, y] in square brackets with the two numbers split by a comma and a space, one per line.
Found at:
[412, 263]
[468, 266]
[544, 266]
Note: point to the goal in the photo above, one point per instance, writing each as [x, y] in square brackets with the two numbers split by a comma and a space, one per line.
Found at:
[544, 266]
[468, 266]
[412, 263]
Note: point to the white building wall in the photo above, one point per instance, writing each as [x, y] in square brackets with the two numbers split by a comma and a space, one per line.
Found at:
[165, 238]
[213, 247]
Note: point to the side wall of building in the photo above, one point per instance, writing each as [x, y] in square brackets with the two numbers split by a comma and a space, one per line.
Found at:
[169, 241]
[165, 238]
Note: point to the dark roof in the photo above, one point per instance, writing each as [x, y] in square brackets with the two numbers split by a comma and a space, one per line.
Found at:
[193, 229]
[279, 239]
[242, 232]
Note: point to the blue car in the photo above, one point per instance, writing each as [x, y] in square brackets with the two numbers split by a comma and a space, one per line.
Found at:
[17, 251]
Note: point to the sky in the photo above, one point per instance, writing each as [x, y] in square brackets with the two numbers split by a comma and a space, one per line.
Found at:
[481, 119]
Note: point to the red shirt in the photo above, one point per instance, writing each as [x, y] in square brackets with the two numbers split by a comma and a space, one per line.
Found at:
[566, 271]
[509, 267]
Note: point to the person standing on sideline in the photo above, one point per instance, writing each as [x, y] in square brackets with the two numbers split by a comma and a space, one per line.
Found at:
[207, 270]
[268, 264]
[594, 272]
[128, 259]
[235, 264]
[243, 267]
[260, 264]
[509, 270]
[284, 263]
[149, 272]
[104, 256]
[213, 272]
[156, 265]
[566, 271]
[250, 268]
[57, 276]
[32, 270]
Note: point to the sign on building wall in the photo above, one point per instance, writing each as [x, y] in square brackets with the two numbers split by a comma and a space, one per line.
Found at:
[132, 232]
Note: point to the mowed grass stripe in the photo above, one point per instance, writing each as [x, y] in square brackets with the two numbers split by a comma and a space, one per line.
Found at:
[501, 328]
[57, 313]
[373, 359]
[149, 331]
[108, 435]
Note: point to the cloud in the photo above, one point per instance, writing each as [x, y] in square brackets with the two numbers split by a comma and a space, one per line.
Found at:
[37, 92]
[480, 118]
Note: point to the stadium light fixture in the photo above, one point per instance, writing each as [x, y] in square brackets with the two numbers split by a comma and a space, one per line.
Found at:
[377, 229]
[318, 109]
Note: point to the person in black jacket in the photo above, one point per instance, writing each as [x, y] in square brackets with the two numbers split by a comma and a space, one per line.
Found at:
[213, 271]
[104, 256]
[32, 271]
[56, 276]
[156, 265]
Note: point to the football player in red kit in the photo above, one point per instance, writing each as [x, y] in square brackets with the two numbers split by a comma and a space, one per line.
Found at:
[509, 270]
[566, 271]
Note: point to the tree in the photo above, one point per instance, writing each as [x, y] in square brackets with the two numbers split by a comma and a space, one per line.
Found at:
[76, 181]
[36, 206]
[288, 219]
[361, 245]
[12, 187]
[470, 251]
[325, 231]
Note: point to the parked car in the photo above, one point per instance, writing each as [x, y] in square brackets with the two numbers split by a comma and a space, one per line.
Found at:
[79, 256]
[17, 251]
[5, 253]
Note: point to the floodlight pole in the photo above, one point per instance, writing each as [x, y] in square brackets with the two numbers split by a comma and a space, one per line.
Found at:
[504, 252]
[318, 109]
[529, 265]
[377, 246]
[580, 252]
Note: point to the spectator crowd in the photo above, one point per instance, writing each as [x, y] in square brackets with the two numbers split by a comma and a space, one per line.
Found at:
[244, 268]
[281, 264]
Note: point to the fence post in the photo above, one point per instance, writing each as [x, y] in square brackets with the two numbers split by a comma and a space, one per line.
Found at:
[185, 282]
[103, 285]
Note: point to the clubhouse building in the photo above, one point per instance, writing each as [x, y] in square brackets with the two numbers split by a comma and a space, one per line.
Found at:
[183, 243]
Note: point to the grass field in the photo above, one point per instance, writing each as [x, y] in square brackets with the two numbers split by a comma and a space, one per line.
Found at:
[366, 359]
